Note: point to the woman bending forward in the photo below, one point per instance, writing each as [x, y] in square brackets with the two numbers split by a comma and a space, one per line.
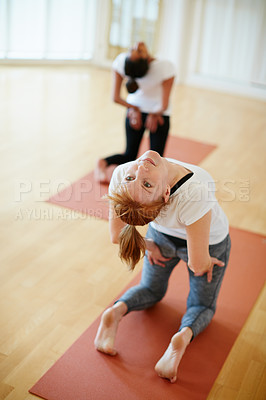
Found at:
[178, 202]
[148, 103]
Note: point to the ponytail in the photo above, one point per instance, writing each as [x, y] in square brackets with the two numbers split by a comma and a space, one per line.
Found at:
[135, 69]
[132, 85]
[131, 246]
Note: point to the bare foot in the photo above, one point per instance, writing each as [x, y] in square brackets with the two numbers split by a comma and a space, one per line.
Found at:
[105, 337]
[100, 173]
[167, 366]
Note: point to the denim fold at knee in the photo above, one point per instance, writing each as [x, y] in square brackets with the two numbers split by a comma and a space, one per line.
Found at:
[202, 298]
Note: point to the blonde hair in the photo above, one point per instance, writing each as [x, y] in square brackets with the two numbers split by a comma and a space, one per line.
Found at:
[131, 243]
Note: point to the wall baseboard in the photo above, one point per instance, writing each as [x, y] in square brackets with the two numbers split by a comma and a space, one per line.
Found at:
[252, 90]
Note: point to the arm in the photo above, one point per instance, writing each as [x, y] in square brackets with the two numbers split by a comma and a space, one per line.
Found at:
[198, 244]
[199, 259]
[134, 113]
[167, 87]
[116, 91]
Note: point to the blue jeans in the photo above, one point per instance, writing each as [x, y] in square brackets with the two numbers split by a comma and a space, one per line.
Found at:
[202, 298]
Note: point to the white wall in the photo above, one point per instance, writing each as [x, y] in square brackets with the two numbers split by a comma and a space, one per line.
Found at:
[217, 44]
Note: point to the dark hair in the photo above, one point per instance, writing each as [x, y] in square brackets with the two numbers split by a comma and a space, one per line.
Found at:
[135, 69]
[132, 85]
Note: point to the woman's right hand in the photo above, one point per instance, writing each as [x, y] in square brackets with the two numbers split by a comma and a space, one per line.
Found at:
[154, 254]
[135, 119]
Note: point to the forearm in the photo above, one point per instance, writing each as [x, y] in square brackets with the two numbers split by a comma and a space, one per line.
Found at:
[116, 91]
[166, 91]
[122, 102]
[199, 260]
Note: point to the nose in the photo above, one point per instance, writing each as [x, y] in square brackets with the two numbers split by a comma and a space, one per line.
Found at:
[143, 164]
[142, 167]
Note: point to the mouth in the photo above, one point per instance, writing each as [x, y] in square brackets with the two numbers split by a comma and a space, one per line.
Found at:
[150, 161]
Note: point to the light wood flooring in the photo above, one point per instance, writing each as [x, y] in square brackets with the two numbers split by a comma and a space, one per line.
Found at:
[58, 269]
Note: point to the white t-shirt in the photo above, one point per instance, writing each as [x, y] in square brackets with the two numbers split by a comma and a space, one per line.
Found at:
[148, 97]
[191, 201]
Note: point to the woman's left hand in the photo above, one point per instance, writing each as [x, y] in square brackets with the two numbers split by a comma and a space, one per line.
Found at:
[152, 122]
[214, 261]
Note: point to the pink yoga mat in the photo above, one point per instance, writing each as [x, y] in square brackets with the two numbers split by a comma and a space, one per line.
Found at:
[85, 195]
[82, 373]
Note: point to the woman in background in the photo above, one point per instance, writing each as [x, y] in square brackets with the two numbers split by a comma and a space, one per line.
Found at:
[149, 85]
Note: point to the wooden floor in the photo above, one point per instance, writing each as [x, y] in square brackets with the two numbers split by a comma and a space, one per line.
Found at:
[58, 269]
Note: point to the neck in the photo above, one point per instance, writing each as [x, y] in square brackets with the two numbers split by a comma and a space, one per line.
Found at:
[175, 173]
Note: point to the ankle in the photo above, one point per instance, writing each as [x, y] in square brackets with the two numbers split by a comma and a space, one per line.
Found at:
[187, 334]
[120, 309]
[182, 337]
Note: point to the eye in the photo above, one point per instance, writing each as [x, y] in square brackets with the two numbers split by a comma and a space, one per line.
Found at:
[129, 178]
[147, 184]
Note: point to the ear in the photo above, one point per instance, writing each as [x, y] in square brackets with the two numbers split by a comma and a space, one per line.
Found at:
[166, 194]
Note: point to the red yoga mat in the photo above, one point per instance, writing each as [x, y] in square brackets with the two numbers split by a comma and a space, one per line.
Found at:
[83, 373]
[85, 195]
